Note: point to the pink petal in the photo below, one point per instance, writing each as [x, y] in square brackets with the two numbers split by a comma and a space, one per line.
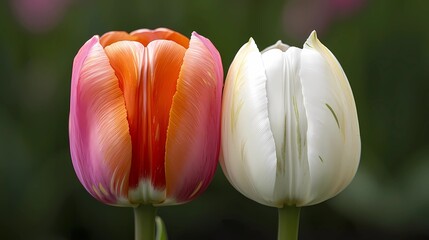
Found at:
[215, 54]
[100, 142]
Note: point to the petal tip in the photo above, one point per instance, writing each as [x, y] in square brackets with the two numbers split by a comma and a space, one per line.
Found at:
[251, 41]
[251, 44]
[194, 33]
[81, 56]
[95, 38]
[203, 39]
[312, 40]
[213, 51]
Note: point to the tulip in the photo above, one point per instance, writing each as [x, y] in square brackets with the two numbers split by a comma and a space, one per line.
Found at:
[290, 133]
[144, 123]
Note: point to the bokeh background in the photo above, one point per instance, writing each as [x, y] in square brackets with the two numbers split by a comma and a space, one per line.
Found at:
[383, 46]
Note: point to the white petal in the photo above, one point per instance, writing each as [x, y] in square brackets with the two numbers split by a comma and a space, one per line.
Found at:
[333, 132]
[288, 123]
[249, 155]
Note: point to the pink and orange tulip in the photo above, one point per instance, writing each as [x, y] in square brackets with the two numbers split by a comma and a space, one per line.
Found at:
[144, 119]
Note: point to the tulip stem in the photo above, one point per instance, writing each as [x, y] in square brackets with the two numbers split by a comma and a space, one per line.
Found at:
[144, 222]
[288, 223]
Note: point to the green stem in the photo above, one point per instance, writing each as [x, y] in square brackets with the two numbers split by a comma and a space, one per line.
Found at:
[288, 223]
[144, 222]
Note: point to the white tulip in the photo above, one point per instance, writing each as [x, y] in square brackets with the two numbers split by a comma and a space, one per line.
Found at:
[290, 132]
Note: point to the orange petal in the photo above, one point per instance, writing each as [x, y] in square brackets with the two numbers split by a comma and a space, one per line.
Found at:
[148, 79]
[165, 60]
[128, 59]
[193, 133]
[145, 36]
[115, 36]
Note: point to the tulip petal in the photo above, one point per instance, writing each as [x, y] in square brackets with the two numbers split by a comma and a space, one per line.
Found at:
[247, 140]
[99, 135]
[333, 131]
[145, 36]
[288, 123]
[166, 59]
[193, 133]
[128, 59]
[115, 36]
[148, 78]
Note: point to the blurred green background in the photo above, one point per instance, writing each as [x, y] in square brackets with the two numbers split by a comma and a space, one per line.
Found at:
[383, 46]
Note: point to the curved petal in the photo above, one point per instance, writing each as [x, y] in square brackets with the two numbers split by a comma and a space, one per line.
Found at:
[128, 59]
[288, 122]
[214, 54]
[165, 61]
[115, 36]
[333, 130]
[145, 36]
[248, 148]
[148, 78]
[100, 142]
[193, 132]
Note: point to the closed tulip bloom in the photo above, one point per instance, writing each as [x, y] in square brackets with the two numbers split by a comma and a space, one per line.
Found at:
[144, 122]
[290, 133]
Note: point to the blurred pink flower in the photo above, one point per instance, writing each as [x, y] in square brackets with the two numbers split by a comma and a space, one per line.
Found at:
[346, 7]
[300, 17]
[39, 15]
